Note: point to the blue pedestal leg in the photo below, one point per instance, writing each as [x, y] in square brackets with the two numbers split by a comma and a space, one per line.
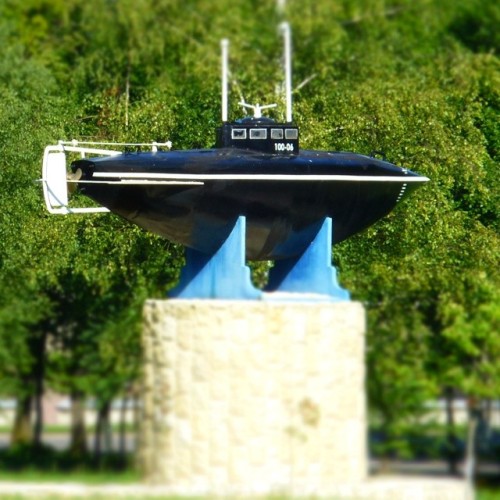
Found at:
[312, 272]
[221, 275]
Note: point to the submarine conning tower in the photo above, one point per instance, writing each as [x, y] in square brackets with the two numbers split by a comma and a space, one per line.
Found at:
[259, 134]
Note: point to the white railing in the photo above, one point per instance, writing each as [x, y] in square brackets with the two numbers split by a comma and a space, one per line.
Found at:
[55, 172]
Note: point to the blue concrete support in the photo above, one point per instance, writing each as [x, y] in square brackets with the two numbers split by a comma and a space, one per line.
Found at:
[312, 272]
[221, 275]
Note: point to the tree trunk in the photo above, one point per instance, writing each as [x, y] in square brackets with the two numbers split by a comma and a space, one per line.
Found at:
[451, 433]
[102, 433]
[22, 430]
[38, 423]
[470, 451]
[78, 443]
[39, 372]
[123, 423]
[107, 426]
[98, 437]
[487, 412]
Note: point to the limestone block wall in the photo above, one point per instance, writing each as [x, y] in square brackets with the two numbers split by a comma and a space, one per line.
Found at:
[253, 397]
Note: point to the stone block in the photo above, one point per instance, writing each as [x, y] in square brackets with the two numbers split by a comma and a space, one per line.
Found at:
[249, 398]
[253, 395]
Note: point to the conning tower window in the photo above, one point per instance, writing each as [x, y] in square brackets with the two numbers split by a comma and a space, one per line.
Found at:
[276, 133]
[258, 133]
[291, 133]
[238, 133]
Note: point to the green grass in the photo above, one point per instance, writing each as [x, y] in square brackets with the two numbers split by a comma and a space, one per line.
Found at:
[488, 494]
[65, 429]
[127, 476]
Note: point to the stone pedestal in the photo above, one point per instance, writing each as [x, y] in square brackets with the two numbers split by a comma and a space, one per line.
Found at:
[248, 397]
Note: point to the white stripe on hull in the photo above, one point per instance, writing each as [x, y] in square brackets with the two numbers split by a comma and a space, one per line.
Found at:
[258, 177]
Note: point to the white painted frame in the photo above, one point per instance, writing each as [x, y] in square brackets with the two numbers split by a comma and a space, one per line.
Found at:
[54, 171]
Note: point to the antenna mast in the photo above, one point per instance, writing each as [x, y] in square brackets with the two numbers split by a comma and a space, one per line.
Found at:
[285, 28]
[224, 47]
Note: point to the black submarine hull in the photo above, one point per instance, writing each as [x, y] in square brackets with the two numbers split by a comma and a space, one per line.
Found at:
[194, 197]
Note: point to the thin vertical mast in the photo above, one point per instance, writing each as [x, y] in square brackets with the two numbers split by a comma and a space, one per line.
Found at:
[224, 46]
[285, 28]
